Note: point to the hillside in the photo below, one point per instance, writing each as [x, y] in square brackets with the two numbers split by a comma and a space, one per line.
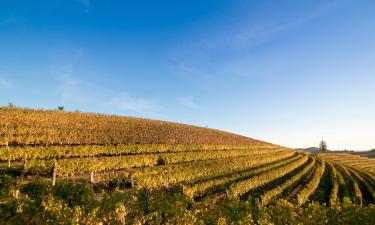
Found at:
[45, 127]
[84, 168]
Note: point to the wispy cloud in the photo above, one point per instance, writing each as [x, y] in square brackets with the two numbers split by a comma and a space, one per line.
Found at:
[203, 60]
[195, 73]
[189, 102]
[63, 62]
[73, 90]
[86, 4]
[254, 34]
[5, 84]
[245, 32]
[126, 102]
[190, 70]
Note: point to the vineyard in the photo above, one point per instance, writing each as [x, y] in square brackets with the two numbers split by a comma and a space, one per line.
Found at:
[82, 168]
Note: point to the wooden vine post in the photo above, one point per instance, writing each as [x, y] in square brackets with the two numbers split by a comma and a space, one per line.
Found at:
[24, 159]
[92, 178]
[54, 174]
[7, 143]
[131, 176]
[8, 151]
[92, 169]
[165, 173]
[24, 163]
[145, 201]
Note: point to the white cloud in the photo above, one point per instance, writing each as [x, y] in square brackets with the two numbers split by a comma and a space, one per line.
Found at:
[189, 102]
[127, 102]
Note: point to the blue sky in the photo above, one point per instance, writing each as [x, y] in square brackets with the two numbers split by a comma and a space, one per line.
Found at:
[288, 72]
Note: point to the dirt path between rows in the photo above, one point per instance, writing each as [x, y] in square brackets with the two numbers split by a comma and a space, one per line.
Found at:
[300, 186]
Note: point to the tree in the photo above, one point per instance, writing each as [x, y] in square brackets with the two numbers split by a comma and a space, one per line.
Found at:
[60, 108]
[323, 146]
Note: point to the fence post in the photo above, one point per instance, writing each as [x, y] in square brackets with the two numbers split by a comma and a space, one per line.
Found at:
[132, 180]
[92, 178]
[8, 151]
[145, 201]
[54, 174]
[165, 173]
[7, 143]
[24, 164]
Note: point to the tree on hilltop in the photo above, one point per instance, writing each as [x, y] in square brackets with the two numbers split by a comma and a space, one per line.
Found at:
[323, 146]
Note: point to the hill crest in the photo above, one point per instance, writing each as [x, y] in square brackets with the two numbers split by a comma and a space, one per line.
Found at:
[48, 127]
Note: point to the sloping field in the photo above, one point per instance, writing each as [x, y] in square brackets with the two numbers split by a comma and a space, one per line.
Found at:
[42, 127]
[66, 160]
[355, 161]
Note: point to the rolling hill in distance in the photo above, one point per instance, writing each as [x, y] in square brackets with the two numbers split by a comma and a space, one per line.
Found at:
[125, 170]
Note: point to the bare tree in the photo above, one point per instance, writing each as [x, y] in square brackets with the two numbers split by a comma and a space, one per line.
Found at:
[323, 146]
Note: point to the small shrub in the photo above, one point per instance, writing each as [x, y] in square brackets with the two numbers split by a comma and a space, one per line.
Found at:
[74, 195]
[6, 183]
[160, 161]
[118, 182]
[35, 190]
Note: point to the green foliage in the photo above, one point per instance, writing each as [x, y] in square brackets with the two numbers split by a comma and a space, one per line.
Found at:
[267, 196]
[70, 203]
[71, 166]
[214, 184]
[168, 208]
[152, 177]
[51, 152]
[313, 183]
[241, 187]
[118, 182]
[7, 183]
[73, 194]
[35, 190]
[160, 161]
